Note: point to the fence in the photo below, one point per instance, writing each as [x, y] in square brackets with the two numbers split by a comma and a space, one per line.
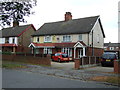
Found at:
[87, 62]
[28, 58]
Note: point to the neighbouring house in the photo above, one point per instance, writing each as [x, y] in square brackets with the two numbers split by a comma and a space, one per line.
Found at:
[76, 37]
[112, 47]
[16, 38]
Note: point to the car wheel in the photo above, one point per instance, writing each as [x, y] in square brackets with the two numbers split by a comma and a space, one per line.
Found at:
[103, 65]
[59, 60]
[53, 60]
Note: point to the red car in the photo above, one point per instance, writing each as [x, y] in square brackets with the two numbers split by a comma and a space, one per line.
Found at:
[60, 57]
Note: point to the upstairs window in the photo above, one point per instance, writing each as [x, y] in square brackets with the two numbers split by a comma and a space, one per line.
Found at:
[6, 40]
[38, 39]
[66, 38]
[80, 37]
[112, 48]
[47, 39]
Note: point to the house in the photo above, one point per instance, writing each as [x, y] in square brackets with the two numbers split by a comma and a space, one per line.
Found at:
[16, 38]
[112, 47]
[76, 37]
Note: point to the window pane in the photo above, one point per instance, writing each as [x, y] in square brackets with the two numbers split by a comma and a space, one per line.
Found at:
[80, 37]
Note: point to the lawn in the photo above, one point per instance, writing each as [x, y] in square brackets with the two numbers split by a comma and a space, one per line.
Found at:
[10, 65]
[109, 79]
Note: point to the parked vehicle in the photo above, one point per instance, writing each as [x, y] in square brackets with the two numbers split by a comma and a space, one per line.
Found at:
[60, 56]
[108, 58]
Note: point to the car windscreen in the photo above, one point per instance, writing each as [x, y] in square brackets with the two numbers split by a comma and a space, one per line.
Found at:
[108, 56]
[64, 55]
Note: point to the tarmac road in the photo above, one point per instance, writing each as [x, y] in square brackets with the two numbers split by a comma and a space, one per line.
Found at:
[21, 79]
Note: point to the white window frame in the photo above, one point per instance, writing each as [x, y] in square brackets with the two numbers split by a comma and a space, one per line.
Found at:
[80, 37]
[2, 40]
[111, 48]
[67, 38]
[67, 51]
[47, 50]
[37, 39]
[13, 40]
[48, 40]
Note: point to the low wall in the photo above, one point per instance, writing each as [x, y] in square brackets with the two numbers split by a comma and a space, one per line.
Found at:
[28, 59]
[86, 62]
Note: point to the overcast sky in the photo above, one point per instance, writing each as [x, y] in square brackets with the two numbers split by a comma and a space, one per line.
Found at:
[54, 10]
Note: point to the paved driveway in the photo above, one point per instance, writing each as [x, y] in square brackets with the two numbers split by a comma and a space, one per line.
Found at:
[63, 65]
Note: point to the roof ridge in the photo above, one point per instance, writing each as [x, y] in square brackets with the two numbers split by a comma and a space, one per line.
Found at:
[72, 19]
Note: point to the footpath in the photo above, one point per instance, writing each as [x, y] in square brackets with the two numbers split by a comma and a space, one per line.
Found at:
[81, 74]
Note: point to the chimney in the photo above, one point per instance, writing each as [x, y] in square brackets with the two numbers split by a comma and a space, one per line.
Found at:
[15, 23]
[68, 16]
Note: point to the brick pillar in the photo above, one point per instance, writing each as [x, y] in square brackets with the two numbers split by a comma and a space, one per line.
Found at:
[77, 63]
[117, 66]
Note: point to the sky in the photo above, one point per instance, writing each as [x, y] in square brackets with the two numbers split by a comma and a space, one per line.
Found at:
[54, 10]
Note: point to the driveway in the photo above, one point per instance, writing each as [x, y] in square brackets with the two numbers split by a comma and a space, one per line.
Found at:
[63, 65]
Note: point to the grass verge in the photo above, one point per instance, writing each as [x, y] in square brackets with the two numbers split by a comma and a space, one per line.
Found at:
[7, 64]
[109, 79]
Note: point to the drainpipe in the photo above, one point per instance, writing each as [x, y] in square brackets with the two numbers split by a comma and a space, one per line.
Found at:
[92, 45]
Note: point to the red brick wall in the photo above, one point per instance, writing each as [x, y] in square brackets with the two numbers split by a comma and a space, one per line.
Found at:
[97, 51]
[28, 59]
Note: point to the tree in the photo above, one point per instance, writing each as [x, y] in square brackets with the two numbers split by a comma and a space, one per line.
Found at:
[15, 11]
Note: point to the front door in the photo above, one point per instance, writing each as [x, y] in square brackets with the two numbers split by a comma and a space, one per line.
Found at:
[80, 51]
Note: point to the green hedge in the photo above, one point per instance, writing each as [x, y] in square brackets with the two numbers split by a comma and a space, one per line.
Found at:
[8, 53]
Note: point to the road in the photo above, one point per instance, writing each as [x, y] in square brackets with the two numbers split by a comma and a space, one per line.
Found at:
[22, 79]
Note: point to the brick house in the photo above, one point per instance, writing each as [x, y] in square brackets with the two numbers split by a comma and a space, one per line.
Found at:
[112, 47]
[76, 37]
[16, 38]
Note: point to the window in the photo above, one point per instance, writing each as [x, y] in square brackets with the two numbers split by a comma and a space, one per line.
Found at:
[2, 40]
[13, 40]
[38, 39]
[111, 48]
[117, 48]
[68, 51]
[37, 51]
[80, 37]
[67, 38]
[6, 40]
[47, 50]
[47, 39]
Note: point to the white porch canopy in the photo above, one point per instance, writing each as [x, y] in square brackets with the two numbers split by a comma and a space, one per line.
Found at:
[79, 45]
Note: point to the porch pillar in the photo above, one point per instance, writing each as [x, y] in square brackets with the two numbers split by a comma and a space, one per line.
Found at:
[74, 52]
[84, 51]
[14, 49]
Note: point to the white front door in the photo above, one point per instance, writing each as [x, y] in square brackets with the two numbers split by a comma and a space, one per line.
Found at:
[80, 51]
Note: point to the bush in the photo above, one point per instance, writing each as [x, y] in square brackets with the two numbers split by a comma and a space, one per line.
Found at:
[8, 53]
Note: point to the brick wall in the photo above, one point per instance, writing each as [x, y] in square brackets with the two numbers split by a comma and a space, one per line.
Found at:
[28, 59]
[97, 51]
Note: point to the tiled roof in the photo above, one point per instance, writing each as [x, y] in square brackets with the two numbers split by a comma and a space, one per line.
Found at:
[74, 26]
[58, 45]
[14, 31]
[112, 44]
[8, 45]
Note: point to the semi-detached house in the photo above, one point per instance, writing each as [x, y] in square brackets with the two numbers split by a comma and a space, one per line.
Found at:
[76, 37]
[16, 38]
